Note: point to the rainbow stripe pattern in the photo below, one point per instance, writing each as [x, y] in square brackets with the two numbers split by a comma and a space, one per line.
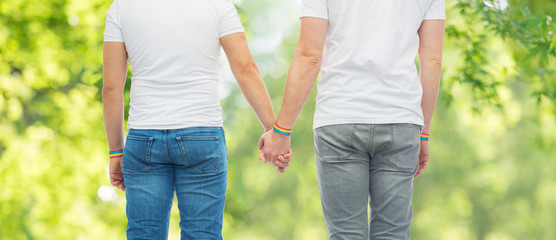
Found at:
[116, 154]
[283, 131]
[425, 136]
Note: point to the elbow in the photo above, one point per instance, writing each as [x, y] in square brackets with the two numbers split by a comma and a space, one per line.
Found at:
[315, 61]
[109, 91]
[247, 69]
[434, 62]
[106, 89]
[313, 58]
[430, 58]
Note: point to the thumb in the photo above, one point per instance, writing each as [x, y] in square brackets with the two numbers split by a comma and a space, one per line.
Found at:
[261, 143]
[262, 158]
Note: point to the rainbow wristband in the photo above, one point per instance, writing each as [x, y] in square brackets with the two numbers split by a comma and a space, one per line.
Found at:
[425, 136]
[283, 131]
[116, 154]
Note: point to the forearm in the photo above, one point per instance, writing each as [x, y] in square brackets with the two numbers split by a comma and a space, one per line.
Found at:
[113, 109]
[114, 77]
[253, 88]
[431, 35]
[430, 82]
[301, 80]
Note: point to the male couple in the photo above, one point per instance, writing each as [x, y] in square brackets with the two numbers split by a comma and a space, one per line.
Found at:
[371, 121]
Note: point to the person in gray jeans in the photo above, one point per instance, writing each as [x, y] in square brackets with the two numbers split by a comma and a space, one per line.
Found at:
[373, 109]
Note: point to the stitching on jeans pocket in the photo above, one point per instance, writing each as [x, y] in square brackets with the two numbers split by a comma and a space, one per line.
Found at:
[404, 139]
[137, 154]
[329, 146]
[201, 153]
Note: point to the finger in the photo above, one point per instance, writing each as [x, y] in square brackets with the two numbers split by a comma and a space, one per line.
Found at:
[417, 174]
[425, 165]
[280, 170]
[262, 158]
[122, 186]
[280, 164]
[268, 156]
[273, 160]
[420, 170]
[118, 184]
[289, 154]
[283, 159]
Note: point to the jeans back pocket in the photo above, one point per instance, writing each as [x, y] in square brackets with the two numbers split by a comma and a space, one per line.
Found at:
[404, 149]
[137, 153]
[334, 142]
[201, 153]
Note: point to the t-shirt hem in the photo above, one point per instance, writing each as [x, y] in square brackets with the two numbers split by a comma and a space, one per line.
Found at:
[113, 39]
[374, 121]
[314, 15]
[170, 126]
[435, 18]
[232, 31]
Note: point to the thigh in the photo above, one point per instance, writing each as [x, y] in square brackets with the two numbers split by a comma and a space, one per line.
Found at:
[391, 180]
[149, 186]
[343, 182]
[201, 183]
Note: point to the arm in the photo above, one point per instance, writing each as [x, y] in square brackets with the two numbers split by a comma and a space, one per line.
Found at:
[304, 69]
[431, 35]
[114, 75]
[248, 77]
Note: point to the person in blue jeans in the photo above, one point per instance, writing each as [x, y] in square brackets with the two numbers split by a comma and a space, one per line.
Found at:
[175, 142]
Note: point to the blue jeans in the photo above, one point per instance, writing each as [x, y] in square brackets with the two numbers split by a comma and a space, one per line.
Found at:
[367, 164]
[192, 162]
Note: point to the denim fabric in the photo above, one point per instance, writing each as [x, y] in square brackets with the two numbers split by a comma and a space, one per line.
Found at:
[367, 164]
[192, 162]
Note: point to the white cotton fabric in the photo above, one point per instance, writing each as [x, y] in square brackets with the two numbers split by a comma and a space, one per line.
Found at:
[173, 47]
[368, 73]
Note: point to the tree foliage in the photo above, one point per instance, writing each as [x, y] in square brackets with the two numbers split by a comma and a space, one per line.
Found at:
[491, 172]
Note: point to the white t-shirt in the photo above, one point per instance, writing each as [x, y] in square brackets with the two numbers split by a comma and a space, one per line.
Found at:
[173, 47]
[368, 72]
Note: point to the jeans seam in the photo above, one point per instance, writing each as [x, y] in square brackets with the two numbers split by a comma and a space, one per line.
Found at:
[165, 140]
[149, 145]
[371, 141]
[217, 163]
[178, 140]
[147, 154]
[180, 144]
[388, 155]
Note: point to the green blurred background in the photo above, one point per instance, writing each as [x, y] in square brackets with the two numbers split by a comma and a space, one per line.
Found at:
[492, 173]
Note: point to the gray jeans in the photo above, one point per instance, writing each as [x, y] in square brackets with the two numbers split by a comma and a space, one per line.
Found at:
[362, 164]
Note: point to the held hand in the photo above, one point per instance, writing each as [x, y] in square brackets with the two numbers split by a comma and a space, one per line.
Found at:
[274, 148]
[116, 175]
[275, 144]
[283, 162]
[423, 158]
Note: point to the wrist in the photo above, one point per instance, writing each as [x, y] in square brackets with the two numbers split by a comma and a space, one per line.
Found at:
[282, 130]
[268, 127]
[116, 153]
[424, 136]
[280, 138]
